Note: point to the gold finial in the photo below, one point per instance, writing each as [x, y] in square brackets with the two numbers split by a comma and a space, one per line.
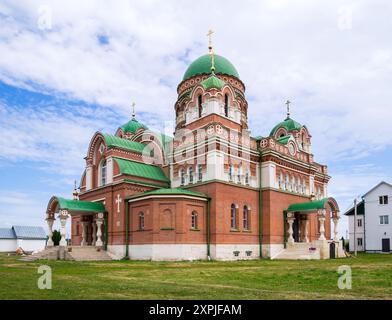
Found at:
[133, 110]
[211, 50]
[288, 102]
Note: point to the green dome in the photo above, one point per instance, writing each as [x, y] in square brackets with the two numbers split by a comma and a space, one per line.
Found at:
[132, 126]
[288, 124]
[212, 82]
[203, 65]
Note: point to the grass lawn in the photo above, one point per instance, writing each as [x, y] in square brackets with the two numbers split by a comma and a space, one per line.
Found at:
[262, 279]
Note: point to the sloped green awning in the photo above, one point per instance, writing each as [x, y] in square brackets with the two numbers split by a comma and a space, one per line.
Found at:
[142, 170]
[80, 206]
[312, 205]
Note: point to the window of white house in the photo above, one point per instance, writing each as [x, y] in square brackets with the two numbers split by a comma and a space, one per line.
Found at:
[359, 242]
[359, 222]
[384, 219]
[194, 220]
[103, 173]
[383, 199]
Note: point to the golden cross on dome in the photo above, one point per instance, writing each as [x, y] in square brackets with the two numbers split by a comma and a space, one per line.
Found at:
[210, 50]
[288, 102]
[133, 110]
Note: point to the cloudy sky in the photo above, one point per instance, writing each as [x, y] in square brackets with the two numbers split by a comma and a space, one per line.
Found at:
[70, 68]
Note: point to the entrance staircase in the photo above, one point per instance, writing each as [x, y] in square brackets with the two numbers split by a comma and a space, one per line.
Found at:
[298, 251]
[88, 254]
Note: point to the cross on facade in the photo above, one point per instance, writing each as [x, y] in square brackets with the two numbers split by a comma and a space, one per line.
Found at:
[288, 102]
[118, 202]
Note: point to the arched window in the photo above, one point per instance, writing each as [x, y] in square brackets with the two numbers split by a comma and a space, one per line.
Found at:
[103, 173]
[200, 107]
[299, 184]
[293, 184]
[194, 220]
[141, 221]
[287, 183]
[303, 186]
[239, 173]
[247, 175]
[233, 217]
[226, 105]
[281, 182]
[246, 218]
[190, 171]
[200, 172]
[182, 176]
[231, 172]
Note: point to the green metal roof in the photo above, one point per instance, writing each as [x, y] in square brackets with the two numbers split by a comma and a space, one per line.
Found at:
[142, 170]
[212, 82]
[170, 191]
[308, 206]
[202, 65]
[289, 124]
[132, 126]
[113, 141]
[283, 140]
[76, 205]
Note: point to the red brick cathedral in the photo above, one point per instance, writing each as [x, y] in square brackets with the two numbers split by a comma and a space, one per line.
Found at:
[212, 191]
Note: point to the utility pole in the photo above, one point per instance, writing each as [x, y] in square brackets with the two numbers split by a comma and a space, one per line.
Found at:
[355, 226]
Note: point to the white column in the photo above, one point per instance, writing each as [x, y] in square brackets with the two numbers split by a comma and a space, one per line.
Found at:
[99, 223]
[290, 220]
[335, 225]
[306, 233]
[321, 218]
[63, 221]
[84, 234]
[50, 220]
[94, 233]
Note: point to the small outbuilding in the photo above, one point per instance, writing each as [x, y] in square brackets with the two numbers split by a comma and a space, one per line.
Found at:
[29, 238]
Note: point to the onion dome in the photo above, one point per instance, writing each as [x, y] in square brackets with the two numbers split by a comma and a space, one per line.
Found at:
[203, 64]
[288, 124]
[132, 126]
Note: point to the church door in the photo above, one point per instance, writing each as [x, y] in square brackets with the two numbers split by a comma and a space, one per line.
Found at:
[296, 228]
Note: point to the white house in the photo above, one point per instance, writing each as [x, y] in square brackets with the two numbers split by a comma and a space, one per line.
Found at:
[359, 227]
[373, 225]
[26, 237]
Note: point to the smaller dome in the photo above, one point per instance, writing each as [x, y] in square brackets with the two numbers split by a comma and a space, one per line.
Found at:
[212, 82]
[132, 126]
[289, 124]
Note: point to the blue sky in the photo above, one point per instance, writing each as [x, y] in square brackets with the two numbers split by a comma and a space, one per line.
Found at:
[70, 69]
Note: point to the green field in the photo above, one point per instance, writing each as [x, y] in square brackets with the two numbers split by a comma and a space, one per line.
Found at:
[262, 279]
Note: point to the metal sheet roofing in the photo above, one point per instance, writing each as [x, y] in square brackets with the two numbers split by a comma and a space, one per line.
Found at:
[142, 170]
[308, 206]
[29, 232]
[77, 206]
[7, 233]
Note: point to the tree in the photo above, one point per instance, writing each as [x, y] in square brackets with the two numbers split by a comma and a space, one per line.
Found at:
[56, 237]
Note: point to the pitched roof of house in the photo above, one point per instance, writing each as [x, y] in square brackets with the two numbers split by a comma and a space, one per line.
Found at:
[376, 186]
[23, 232]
